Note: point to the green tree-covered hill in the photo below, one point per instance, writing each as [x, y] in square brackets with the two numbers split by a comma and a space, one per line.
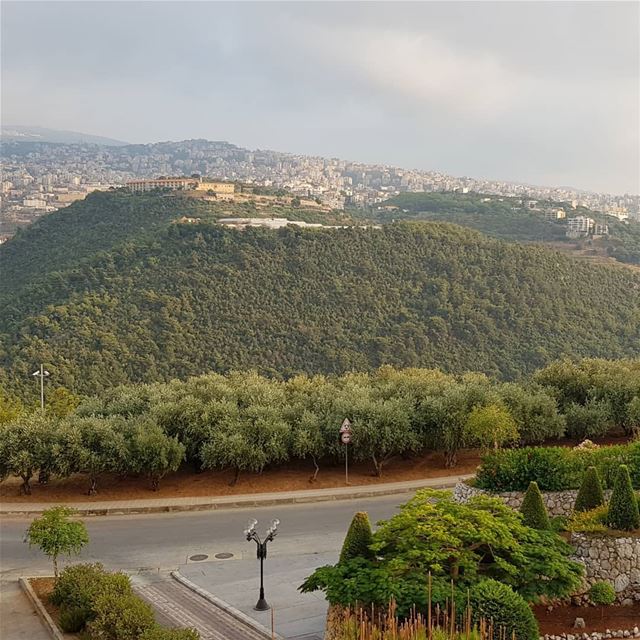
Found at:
[127, 296]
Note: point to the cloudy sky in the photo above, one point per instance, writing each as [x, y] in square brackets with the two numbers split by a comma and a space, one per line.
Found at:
[541, 92]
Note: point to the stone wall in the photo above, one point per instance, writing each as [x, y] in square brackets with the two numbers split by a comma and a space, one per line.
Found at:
[559, 503]
[614, 560]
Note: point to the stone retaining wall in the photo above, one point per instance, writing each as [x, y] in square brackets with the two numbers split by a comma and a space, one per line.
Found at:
[559, 503]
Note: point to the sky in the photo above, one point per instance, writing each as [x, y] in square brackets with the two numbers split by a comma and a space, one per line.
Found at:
[543, 92]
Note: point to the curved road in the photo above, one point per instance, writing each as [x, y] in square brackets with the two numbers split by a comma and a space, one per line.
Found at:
[161, 542]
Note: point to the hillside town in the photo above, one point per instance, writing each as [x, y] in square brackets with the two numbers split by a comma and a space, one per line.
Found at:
[40, 177]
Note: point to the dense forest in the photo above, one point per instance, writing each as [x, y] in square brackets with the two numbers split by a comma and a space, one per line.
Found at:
[126, 295]
[507, 219]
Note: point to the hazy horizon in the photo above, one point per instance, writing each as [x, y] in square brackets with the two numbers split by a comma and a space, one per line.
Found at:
[538, 93]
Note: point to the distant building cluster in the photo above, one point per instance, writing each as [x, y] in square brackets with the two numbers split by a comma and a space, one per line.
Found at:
[39, 177]
[582, 226]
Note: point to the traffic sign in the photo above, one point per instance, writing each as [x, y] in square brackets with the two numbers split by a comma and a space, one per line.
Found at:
[345, 436]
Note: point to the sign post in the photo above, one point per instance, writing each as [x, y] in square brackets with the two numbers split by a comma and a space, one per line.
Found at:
[345, 438]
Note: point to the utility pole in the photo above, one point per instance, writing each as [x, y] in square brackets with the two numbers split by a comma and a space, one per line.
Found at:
[42, 373]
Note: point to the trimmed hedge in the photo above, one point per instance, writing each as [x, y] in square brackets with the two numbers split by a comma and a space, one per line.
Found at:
[602, 593]
[555, 468]
[358, 539]
[496, 602]
[590, 495]
[623, 506]
[533, 510]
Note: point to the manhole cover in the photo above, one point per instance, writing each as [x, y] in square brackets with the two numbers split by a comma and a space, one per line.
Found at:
[199, 557]
[223, 556]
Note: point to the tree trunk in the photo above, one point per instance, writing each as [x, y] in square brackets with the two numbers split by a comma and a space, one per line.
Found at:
[314, 477]
[43, 476]
[55, 566]
[25, 489]
[234, 482]
[155, 483]
[450, 459]
[377, 465]
[93, 486]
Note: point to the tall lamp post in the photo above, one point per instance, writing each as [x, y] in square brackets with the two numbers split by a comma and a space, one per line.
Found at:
[42, 373]
[250, 533]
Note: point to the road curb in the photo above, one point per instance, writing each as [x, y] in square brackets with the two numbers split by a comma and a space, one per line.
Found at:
[43, 614]
[251, 501]
[225, 606]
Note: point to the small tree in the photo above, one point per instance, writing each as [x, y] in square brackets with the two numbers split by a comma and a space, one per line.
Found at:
[56, 534]
[358, 539]
[602, 594]
[533, 509]
[590, 495]
[623, 506]
[490, 426]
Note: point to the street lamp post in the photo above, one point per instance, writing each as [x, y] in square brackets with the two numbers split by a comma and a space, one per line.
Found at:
[250, 533]
[42, 373]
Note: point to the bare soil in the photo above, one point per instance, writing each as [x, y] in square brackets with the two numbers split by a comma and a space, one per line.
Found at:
[561, 619]
[187, 483]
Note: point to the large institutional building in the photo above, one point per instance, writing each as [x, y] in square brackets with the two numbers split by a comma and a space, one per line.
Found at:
[186, 184]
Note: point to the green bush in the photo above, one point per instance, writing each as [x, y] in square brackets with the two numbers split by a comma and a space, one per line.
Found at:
[590, 495]
[602, 593]
[73, 619]
[555, 468]
[594, 521]
[508, 611]
[623, 506]
[120, 617]
[533, 510]
[159, 633]
[358, 539]
[79, 585]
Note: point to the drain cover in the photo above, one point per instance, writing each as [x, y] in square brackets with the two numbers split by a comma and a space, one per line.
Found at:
[223, 556]
[198, 557]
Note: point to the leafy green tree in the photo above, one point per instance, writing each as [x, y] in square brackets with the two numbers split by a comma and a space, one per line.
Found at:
[154, 453]
[25, 447]
[10, 407]
[56, 534]
[602, 593]
[591, 420]
[533, 510]
[623, 506]
[465, 543]
[359, 538]
[104, 448]
[61, 402]
[590, 495]
[490, 426]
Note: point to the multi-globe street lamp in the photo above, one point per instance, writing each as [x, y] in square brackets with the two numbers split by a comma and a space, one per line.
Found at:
[250, 534]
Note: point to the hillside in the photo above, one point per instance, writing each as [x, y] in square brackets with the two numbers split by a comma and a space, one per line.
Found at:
[172, 300]
[19, 133]
[507, 219]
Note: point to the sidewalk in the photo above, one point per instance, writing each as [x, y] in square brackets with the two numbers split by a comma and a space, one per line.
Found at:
[162, 505]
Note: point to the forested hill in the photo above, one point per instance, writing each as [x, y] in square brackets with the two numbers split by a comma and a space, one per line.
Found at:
[182, 299]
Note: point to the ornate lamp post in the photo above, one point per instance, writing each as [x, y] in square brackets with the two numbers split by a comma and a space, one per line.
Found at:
[250, 533]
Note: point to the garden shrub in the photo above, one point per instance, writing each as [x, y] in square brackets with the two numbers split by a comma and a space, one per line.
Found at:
[79, 585]
[594, 521]
[623, 506]
[555, 468]
[590, 494]
[533, 510]
[358, 539]
[120, 617]
[602, 593]
[73, 619]
[508, 611]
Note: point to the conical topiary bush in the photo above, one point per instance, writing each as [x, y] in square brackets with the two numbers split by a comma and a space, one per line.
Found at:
[590, 495]
[623, 506]
[533, 509]
[358, 539]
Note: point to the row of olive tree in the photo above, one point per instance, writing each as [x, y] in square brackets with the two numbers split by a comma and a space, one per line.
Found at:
[37, 443]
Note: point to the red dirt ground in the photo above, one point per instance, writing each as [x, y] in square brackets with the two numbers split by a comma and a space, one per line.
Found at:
[561, 619]
[186, 483]
[43, 587]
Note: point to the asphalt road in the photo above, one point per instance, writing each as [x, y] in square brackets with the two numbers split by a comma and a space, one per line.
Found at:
[165, 541]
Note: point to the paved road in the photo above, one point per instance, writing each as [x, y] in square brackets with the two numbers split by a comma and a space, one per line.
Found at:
[153, 544]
